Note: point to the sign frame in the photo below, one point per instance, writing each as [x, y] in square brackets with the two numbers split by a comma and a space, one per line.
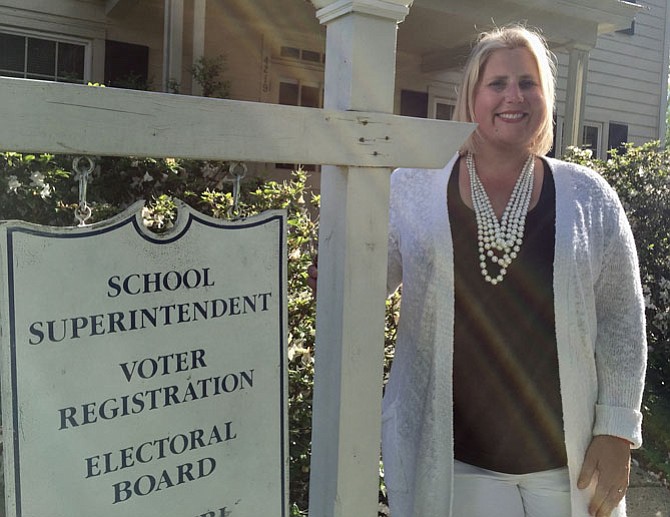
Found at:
[131, 221]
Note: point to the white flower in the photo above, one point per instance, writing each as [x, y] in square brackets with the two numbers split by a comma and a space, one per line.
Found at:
[147, 217]
[13, 184]
[46, 191]
[37, 179]
[147, 177]
[210, 171]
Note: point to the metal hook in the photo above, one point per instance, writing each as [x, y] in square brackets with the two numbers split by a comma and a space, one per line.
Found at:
[236, 171]
[82, 172]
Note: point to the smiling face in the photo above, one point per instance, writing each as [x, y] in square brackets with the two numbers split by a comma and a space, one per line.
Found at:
[509, 104]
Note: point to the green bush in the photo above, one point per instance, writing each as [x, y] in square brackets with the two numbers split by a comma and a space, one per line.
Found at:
[207, 72]
[43, 189]
[36, 188]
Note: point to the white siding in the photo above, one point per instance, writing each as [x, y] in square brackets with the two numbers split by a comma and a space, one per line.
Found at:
[626, 74]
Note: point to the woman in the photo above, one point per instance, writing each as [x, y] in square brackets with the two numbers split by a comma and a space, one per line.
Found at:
[519, 368]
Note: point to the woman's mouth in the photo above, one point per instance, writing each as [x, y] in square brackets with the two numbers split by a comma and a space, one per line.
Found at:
[511, 117]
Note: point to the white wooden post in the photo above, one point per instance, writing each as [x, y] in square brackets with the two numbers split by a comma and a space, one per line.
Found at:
[360, 75]
[575, 96]
[172, 41]
[199, 27]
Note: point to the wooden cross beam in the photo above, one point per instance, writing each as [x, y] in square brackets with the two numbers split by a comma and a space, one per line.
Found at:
[40, 116]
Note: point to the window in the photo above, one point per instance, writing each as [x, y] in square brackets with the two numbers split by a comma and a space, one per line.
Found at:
[30, 57]
[293, 74]
[617, 136]
[414, 104]
[301, 54]
[290, 52]
[127, 65]
[310, 55]
[591, 138]
[441, 108]
[295, 93]
[444, 111]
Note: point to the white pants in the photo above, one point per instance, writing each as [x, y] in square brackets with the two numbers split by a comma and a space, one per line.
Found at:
[484, 493]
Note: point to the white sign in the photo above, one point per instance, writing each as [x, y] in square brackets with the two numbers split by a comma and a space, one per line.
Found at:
[144, 375]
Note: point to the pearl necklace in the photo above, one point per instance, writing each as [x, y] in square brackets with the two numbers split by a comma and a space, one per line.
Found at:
[499, 242]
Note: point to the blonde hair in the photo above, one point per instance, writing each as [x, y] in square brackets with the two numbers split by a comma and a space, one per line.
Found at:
[509, 37]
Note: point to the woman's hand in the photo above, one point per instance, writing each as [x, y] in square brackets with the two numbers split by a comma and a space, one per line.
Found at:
[607, 461]
[313, 273]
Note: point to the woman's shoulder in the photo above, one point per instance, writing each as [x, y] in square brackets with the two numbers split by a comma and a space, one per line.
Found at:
[412, 179]
[415, 193]
[584, 180]
[575, 169]
[413, 176]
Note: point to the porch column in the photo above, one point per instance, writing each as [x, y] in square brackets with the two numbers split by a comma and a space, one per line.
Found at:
[172, 41]
[359, 76]
[575, 96]
[97, 72]
[199, 26]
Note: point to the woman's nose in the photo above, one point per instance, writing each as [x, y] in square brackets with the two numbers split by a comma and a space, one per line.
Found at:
[514, 93]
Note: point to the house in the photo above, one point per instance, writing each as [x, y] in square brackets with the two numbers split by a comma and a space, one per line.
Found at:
[612, 55]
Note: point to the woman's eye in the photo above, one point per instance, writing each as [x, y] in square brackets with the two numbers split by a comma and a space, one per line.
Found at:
[527, 84]
[497, 85]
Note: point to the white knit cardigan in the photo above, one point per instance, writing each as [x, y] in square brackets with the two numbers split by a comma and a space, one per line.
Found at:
[600, 330]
